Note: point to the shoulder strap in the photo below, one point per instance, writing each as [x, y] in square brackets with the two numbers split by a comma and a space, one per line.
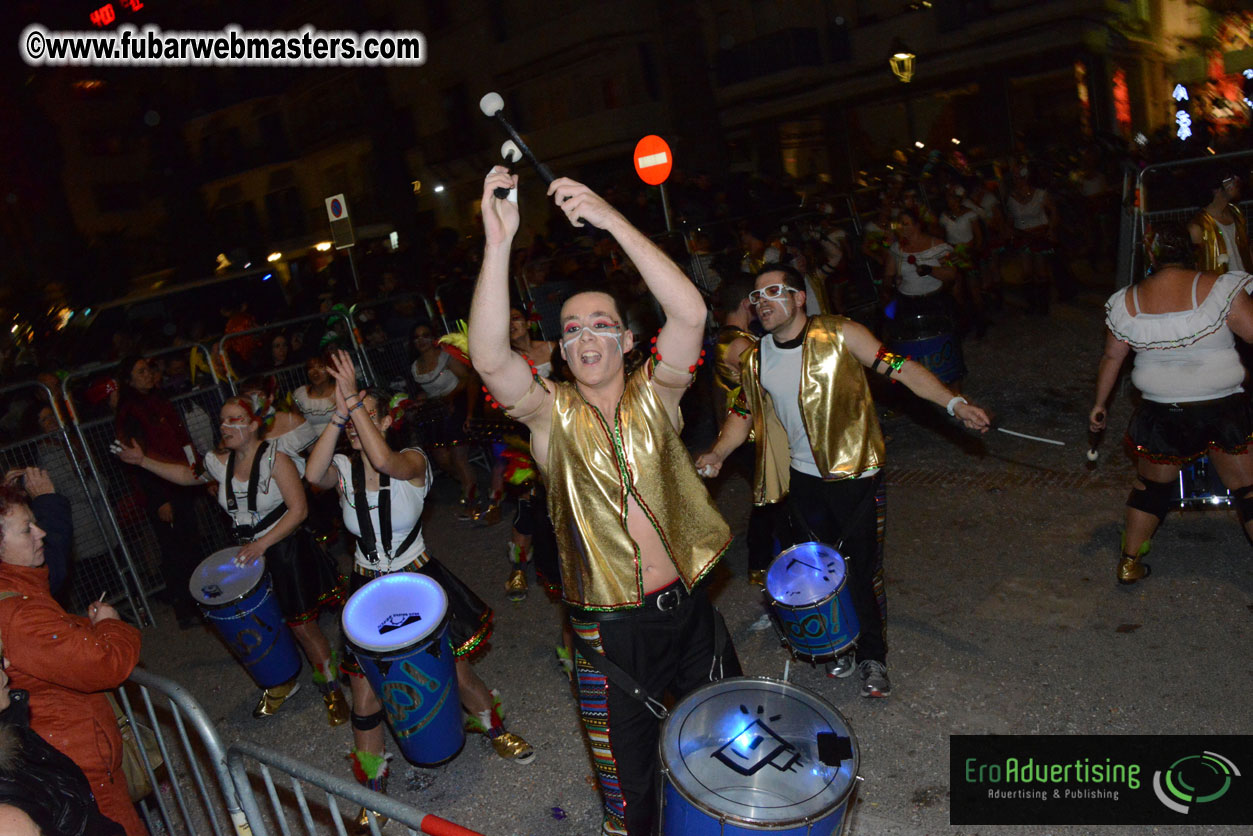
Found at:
[231, 504]
[366, 539]
[254, 475]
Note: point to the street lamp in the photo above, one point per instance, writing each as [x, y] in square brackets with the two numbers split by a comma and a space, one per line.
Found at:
[902, 61]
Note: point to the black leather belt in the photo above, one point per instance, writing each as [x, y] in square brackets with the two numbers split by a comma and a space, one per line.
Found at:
[667, 599]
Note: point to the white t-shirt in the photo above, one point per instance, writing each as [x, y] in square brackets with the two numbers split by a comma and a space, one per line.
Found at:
[781, 377]
[268, 495]
[407, 502]
[1234, 262]
[440, 380]
[317, 411]
[914, 283]
[1183, 355]
[960, 229]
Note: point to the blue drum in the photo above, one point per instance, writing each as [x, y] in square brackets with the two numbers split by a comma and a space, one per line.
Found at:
[398, 628]
[925, 331]
[239, 603]
[1200, 487]
[810, 596]
[748, 754]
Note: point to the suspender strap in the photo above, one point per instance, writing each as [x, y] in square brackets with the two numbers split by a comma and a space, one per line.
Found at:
[367, 540]
[254, 479]
[247, 532]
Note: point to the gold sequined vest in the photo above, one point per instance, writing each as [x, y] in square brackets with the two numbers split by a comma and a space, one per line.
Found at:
[836, 408]
[593, 465]
[726, 368]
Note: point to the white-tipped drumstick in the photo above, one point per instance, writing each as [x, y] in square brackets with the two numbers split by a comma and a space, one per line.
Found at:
[1031, 437]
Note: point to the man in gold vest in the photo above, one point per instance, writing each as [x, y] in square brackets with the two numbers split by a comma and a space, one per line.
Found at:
[636, 530]
[1219, 230]
[807, 401]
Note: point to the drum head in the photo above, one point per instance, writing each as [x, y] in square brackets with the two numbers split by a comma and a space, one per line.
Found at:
[805, 574]
[394, 611]
[217, 580]
[760, 752]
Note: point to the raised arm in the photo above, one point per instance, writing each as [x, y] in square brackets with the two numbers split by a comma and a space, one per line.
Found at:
[405, 465]
[867, 349]
[505, 373]
[318, 465]
[680, 340]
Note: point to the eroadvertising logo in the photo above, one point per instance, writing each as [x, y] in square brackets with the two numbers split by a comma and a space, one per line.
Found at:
[1100, 779]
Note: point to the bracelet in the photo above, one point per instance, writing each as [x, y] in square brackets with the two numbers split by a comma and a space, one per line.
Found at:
[355, 406]
[340, 424]
[956, 399]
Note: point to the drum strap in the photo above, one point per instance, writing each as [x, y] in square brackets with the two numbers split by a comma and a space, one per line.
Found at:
[246, 532]
[619, 677]
[366, 540]
[627, 683]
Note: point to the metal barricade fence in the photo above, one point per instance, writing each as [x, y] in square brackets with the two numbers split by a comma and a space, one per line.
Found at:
[291, 376]
[1158, 202]
[318, 819]
[390, 359]
[188, 801]
[115, 481]
[98, 564]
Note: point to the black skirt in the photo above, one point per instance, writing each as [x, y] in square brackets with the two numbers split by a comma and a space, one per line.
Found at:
[1170, 433]
[304, 576]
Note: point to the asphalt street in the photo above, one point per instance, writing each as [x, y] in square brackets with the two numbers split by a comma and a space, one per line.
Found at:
[1003, 616]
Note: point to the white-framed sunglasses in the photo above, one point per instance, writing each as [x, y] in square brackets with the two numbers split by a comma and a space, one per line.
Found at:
[770, 293]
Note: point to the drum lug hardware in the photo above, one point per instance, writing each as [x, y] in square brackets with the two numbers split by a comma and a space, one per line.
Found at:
[659, 711]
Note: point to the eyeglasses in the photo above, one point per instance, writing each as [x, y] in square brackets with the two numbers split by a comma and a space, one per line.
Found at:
[771, 293]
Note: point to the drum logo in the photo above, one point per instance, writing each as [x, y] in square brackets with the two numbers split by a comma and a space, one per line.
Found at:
[211, 591]
[757, 746]
[397, 620]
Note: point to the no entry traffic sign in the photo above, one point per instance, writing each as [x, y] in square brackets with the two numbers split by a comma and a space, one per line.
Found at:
[653, 160]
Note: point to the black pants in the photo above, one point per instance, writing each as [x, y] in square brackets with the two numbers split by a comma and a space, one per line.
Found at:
[830, 511]
[177, 542]
[664, 652]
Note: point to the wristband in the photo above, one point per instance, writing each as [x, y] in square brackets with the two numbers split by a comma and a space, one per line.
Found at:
[355, 406]
[956, 399]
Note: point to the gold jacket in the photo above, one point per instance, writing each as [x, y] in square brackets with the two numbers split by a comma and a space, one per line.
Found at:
[593, 466]
[726, 368]
[1213, 245]
[836, 408]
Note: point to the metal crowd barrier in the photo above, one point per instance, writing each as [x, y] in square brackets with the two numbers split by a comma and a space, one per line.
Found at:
[390, 359]
[201, 787]
[1152, 208]
[334, 787]
[291, 377]
[100, 561]
[193, 792]
[122, 503]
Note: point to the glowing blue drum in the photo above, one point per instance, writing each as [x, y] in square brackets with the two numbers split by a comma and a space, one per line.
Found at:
[810, 596]
[239, 603]
[397, 627]
[1200, 487]
[749, 754]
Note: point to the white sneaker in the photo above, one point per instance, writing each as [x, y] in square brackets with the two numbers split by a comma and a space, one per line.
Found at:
[843, 666]
[874, 678]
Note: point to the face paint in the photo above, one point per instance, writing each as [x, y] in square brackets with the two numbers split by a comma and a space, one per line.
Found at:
[605, 330]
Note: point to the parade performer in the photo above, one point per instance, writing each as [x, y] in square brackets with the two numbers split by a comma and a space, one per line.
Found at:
[732, 340]
[636, 530]
[1035, 221]
[283, 424]
[1219, 231]
[963, 232]
[1179, 323]
[260, 490]
[316, 399]
[446, 391]
[924, 271]
[382, 489]
[807, 402]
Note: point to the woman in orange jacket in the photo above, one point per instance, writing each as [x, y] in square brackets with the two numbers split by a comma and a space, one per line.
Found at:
[66, 662]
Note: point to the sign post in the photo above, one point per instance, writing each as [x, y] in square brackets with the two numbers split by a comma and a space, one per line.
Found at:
[342, 234]
[653, 162]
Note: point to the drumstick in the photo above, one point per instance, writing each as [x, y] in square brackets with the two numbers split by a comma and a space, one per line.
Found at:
[1094, 442]
[1031, 437]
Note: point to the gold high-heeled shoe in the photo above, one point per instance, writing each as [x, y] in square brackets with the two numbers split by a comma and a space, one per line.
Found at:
[1132, 569]
[512, 747]
[515, 587]
[336, 707]
[272, 699]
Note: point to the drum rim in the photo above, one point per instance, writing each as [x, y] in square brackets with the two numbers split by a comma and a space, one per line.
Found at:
[834, 593]
[265, 573]
[721, 815]
[433, 633]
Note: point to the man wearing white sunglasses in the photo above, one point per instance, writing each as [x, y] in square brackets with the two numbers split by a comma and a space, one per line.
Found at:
[637, 532]
[819, 445]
